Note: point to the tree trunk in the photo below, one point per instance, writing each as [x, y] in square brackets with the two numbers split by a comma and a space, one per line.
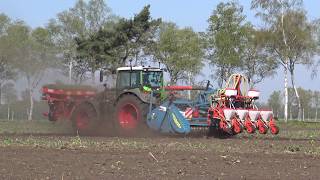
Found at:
[70, 72]
[31, 105]
[284, 38]
[290, 112]
[316, 117]
[93, 77]
[173, 77]
[286, 93]
[0, 93]
[113, 81]
[222, 71]
[8, 112]
[296, 93]
[136, 59]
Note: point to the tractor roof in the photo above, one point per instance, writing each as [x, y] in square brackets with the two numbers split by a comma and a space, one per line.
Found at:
[139, 68]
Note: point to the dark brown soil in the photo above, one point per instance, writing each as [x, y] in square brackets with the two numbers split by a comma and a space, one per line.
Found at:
[165, 158]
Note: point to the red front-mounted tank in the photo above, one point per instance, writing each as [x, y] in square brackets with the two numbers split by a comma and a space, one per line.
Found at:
[63, 98]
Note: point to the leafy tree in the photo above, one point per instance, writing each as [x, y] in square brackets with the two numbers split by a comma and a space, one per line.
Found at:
[291, 37]
[309, 100]
[81, 21]
[144, 31]
[315, 65]
[180, 50]
[275, 103]
[225, 34]
[5, 22]
[123, 40]
[9, 93]
[7, 72]
[316, 102]
[31, 52]
[9, 96]
[306, 102]
[256, 62]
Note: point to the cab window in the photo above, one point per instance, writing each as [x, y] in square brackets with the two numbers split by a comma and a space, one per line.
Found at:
[152, 78]
[124, 79]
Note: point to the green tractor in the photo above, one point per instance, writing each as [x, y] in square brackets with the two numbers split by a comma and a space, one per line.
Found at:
[133, 88]
[124, 108]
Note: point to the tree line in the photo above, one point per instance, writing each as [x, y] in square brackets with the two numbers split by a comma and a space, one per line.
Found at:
[90, 37]
[310, 102]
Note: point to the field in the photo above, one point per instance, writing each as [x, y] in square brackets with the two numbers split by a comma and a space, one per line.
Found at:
[42, 150]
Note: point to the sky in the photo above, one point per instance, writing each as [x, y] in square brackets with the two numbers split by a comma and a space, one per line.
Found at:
[185, 13]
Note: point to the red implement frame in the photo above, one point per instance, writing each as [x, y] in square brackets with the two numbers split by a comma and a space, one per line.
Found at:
[217, 111]
[62, 101]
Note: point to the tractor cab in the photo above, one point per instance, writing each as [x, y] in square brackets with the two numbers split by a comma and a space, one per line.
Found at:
[139, 80]
[135, 77]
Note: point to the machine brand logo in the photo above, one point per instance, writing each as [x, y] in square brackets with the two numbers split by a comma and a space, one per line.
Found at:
[176, 121]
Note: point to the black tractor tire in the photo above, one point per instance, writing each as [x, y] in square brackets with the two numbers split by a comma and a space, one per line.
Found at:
[130, 117]
[85, 119]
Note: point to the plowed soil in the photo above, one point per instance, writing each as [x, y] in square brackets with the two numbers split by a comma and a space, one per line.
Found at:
[165, 157]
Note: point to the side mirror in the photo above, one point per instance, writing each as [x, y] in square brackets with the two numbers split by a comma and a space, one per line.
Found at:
[101, 75]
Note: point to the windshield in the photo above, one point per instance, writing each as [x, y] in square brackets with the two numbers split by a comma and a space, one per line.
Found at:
[152, 78]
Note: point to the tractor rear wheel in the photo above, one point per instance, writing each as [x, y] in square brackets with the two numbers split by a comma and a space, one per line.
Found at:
[130, 115]
[84, 119]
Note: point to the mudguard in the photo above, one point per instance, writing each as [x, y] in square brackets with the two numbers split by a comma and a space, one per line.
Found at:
[167, 118]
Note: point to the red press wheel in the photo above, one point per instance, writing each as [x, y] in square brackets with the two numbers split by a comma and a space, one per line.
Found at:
[274, 130]
[236, 127]
[262, 129]
[250, 128]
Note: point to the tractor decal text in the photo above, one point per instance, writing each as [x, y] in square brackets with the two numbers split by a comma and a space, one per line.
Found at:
[176, 121]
